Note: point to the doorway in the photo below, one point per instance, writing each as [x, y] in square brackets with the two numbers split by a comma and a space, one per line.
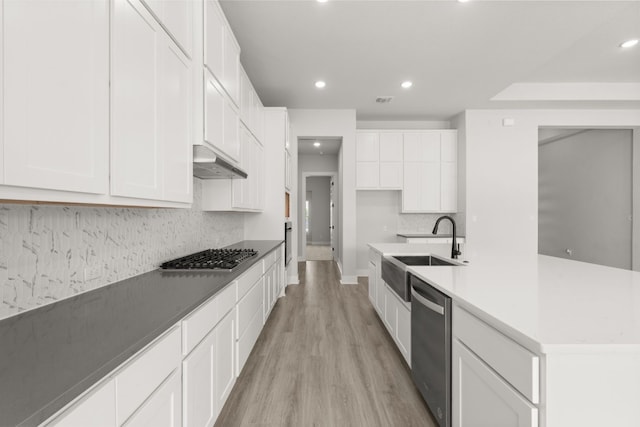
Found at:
[585, 195]
[320, 216]
[318, 198]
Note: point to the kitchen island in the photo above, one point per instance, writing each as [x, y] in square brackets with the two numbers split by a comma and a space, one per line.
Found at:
[539, 341]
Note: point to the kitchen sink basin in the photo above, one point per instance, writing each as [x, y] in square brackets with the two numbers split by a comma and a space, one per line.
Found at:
[394, 271]
[422, 260]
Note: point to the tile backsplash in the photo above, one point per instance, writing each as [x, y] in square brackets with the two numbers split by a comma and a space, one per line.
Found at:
[46, 252]
[419, 223]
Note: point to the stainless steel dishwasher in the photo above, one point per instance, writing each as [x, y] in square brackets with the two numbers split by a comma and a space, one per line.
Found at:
[431, 347]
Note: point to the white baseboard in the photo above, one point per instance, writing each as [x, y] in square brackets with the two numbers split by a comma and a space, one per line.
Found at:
[363, 273]
[349, 280]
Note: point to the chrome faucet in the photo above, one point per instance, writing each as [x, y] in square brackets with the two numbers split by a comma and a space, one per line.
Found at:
[455, 248]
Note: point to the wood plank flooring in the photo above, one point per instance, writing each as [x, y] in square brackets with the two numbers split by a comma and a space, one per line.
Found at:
[324, 359]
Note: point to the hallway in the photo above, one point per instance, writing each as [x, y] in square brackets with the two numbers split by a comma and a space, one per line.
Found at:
[324, 359]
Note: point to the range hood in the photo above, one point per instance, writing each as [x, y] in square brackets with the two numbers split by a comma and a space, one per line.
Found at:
[208, 165]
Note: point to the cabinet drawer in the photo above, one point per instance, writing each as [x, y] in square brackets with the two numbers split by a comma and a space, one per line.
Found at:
[249, 278]
[514, 363]
[248, 339]
[248, 307]
[140, 378]
[269, 260]
[198, 324]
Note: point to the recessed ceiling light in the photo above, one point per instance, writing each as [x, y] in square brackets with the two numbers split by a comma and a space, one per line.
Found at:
[320, 84]
[629, 43]
[322, 1]
[316, 144]
[407, 84]
[463, 1]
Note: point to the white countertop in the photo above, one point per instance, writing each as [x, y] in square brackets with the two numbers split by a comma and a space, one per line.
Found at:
[548, 304]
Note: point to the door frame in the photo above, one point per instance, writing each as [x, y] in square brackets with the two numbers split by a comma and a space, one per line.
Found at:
[302, 256]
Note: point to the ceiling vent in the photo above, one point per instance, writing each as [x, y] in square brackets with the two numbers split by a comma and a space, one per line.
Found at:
[384, 99]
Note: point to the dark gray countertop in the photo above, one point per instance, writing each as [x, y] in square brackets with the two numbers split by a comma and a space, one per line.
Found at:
[424, 234]
[50, 355]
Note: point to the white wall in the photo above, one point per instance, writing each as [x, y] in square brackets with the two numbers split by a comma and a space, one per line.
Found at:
[379, 221]
[501, 180]
[585, 197]
[44, 250]
[319, 210]
[335, 124]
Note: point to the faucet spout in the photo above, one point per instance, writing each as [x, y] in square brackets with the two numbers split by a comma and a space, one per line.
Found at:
[454, 247]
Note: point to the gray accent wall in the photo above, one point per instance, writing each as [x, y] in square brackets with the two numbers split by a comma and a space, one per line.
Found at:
[45, 251]
[585, 197]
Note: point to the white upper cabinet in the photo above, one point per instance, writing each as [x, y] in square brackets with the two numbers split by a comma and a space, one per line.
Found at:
[430, 171]
[176, 16]
[55, 88]
[379, 160]
[251, 109]
[135, 146]
[214, 30]
[221, 125]
[150, 111]
[222, 52]
[175, 104]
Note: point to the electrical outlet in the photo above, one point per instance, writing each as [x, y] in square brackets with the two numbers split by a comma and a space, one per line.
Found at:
[92, 273]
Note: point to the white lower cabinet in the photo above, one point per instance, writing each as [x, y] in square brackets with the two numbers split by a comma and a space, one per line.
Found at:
[483, 398]
[164, 409]
[185, 377]
[225, 348]
[97, 409]
[372, 283]
[397, 317]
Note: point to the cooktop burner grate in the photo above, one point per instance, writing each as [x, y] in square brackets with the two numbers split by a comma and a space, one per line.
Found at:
[210, 259]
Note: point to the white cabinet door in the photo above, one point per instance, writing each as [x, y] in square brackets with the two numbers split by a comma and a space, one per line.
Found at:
[225, 347]
[231, 127]
[97, 409]
[163, 409]
[391, 175]
[391, 147]
[198, 372]
[289, 171]
[448, 187]
[214, 30]
[56, 95]
[177, 17]
[174, 103]
[372, 283]
[403, 332]
[135, 147]
[221, 120]
[412, 185]
[430, 189]
[231, 65]
[381, 294]
[367, 147]
[390, 311]
[213, 112]
[482, 398]
[367, 175]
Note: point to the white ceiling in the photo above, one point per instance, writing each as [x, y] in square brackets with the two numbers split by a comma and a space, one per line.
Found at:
[459, 55]
[328, 146]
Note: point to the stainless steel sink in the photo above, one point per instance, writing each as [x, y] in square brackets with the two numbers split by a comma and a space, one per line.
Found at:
[394, 271]
[422, 260]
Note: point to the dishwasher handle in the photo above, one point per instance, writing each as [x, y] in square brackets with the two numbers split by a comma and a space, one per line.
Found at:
[425, 302]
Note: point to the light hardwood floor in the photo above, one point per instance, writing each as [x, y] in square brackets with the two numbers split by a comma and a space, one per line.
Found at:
[318, 253]
[324, 359]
